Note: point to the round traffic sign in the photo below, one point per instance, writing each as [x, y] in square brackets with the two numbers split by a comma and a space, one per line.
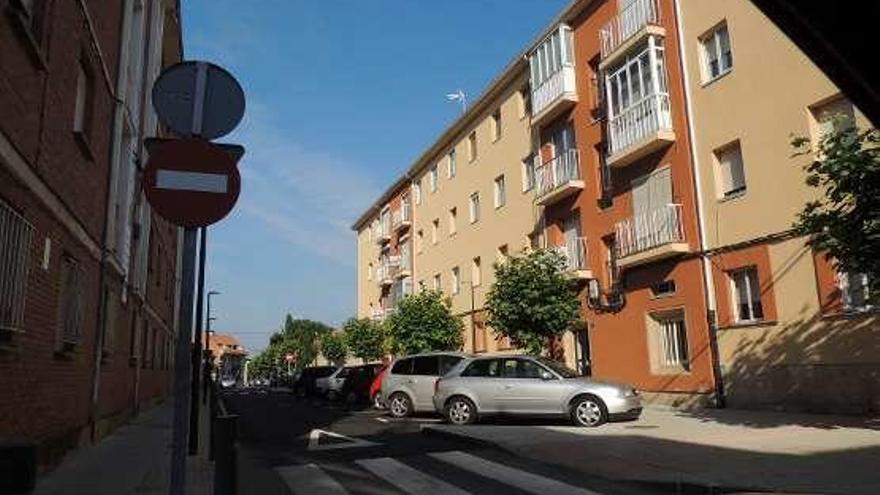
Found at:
[289, 357]
[191, 182]
[198, 98]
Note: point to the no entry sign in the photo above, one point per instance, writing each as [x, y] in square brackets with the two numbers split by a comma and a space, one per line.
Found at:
[191, 182]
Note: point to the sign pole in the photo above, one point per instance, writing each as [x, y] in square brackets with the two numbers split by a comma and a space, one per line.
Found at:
[197, 349]
[181, 371]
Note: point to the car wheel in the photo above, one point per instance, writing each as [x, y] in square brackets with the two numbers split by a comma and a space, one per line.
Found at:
[399, 405]
[460, 411]
[378, 403]
[588, 410]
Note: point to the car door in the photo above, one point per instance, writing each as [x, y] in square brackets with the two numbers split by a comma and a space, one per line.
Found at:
[526, 388]
[482, 378]
[424, 374]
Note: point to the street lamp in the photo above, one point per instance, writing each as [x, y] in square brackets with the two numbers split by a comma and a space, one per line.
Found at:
[208, 331]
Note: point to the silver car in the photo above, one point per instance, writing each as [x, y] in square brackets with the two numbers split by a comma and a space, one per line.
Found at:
[526, 385]
[409, 384]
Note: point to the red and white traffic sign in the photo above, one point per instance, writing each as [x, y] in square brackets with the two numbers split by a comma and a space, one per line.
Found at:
[290, 357]
[191, 182]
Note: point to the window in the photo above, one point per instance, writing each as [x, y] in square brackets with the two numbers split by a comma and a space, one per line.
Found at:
[472, 146]
[16, 235]
[664, 288]
[417, 191]
[633, 81]
[502, 253]
[403, 367]
[70, 304]
[451, 164]
[521, 368]
[426, 365]
[555, 52]
[673, 342]
[475, 207]
[453, 216]
[370, 271]
[82, 113]
[597, 88]
[456, 280]
[438, 282]
[476, 272]
[528, 173]
[525, 102]
[500, 191]
[610, 261]
[604, 175]
[747, 295]
[435, 229]
[448, 362]
[731, 173]
[490, 368]
[420, 240]
[717, 57]
[834, 115]
[496, 125]
[856, 292]
[434, 178]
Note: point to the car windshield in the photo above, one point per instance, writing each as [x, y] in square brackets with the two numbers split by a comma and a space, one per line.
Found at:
[561, 369]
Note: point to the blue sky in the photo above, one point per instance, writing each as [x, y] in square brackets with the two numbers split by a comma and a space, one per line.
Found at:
[341, 97]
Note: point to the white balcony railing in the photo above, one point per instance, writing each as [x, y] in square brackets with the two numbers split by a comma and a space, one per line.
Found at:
[561, 83]
[557, 172]
[383, 229]
[402, 216]
[649, 230]
[640, 121]
[575, 253]
[628, 22]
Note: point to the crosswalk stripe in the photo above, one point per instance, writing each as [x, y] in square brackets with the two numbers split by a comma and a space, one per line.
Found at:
[408, 479]
[309, 479]
[523, 480]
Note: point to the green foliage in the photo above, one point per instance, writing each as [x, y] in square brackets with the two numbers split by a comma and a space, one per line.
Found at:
[298, 337]
[532, 301]
[333, 347]
[366, 339]
[845, 222]
[424, 322]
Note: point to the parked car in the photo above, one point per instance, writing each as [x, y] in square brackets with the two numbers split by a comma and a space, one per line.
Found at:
[356, 388]
[534, 386]
[305, 383]
[331, 385]
[376, 388]
[409, 384]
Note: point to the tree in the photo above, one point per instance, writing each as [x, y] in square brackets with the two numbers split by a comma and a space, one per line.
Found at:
[845, 222]
[365, 338]
[532, 302]
[301, 337]
[333, 347]
[424, 322]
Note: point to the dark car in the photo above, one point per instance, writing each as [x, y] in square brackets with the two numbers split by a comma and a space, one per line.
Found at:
[305, 383]
[356, 388]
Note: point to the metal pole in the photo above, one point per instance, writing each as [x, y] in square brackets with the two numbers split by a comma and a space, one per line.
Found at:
[473, 322]
[197, 350]
[208, 361]
[181, 371]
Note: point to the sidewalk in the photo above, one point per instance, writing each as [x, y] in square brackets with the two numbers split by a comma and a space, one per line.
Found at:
[732, 449]
[135, 459]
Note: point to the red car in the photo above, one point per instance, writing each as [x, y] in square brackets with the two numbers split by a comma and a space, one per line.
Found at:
[376, 387]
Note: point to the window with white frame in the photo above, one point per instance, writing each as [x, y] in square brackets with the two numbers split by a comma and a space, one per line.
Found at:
[730, 172]
[433, 176]
[16, 235]
[856, 293]
[420, 240]
[450, 164]
[496, 125]
[632, 81]
[472, 146]
[437, 282]
[456, 281]
[832, 115]
[453, 220]
[528, 173]
[435, 230]
[474, 204]
[717, 55]
[476, 272]
[746, 295]
[554, 53]
[671, 342]
[370, 271]
[417, 191]
[500, 191]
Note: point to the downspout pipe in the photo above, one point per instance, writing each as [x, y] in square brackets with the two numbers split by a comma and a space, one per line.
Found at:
[720, 398]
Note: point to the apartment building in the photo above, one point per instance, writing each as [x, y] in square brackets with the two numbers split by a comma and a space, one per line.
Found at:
[83, 262]
[657, 161]
[791, 331]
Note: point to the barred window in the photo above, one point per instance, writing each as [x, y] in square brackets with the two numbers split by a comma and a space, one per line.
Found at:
[16, 235]
[71, 303]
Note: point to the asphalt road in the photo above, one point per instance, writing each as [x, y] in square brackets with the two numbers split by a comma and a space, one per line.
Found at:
[290, 445]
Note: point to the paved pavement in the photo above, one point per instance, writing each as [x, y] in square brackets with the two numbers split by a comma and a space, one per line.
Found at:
[727, 449]
[304, 446]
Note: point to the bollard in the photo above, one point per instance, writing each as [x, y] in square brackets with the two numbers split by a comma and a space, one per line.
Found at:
[226, 454]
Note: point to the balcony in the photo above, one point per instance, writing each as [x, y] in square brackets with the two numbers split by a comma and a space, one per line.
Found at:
[650, 236]
[383, 231]
[552, 75]
[385, 273]
[575, 253]
[640, 19]
[404, 267]
[643, 128]
[402, 217]
[558, 178]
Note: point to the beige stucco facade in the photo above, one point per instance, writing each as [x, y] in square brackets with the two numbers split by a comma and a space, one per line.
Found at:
[803, 353]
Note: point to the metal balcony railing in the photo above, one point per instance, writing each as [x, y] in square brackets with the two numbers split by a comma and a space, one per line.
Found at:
[575, 253]
[649, 230]
[16, 235]
[557, 172]
[402, 216]
[560, 83]
[641, 120]
[628, 22]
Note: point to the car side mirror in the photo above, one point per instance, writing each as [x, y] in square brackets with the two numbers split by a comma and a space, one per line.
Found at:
[546, 375]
